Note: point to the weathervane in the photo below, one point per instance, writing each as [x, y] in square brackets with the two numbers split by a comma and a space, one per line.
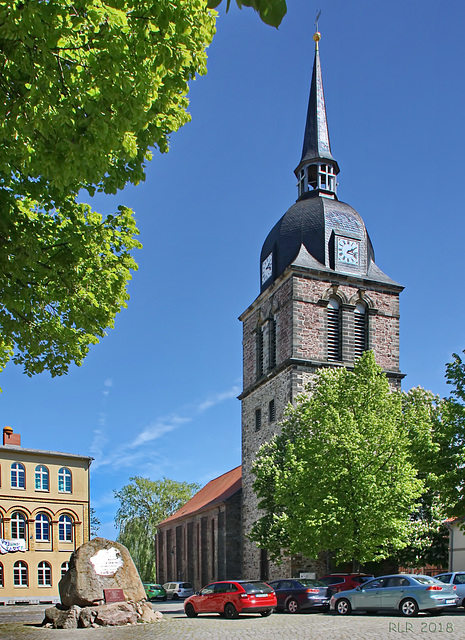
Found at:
[317, 35]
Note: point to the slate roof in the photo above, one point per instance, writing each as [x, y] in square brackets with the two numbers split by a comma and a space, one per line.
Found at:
[309, 223]
[215, 492]
[316, 136]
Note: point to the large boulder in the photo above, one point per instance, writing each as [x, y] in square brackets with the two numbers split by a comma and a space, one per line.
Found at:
[97, 565]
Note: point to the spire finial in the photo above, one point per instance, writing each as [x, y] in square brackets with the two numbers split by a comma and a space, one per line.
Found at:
[317, 34]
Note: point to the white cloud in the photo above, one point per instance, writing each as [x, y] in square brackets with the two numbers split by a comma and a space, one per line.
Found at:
[158, 428]
[133, 453]
[218, 399]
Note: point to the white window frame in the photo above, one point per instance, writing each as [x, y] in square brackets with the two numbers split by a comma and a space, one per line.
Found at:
[18, 476]
[42, 524]
[44, 574]
[41, 478]
[65, 480]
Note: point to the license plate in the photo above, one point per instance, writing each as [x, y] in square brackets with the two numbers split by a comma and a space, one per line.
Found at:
[262, 595]
[450, 601]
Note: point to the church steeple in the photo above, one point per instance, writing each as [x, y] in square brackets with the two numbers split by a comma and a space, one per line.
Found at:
[317, 170]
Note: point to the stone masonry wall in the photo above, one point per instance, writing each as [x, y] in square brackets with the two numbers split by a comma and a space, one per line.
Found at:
[298, 304]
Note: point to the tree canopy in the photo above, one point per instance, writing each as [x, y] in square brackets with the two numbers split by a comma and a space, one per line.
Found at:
[144, 504]
[271, 11]
[88, 88]
[340, 477]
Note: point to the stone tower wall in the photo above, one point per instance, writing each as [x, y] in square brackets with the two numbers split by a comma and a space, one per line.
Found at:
[297, 303]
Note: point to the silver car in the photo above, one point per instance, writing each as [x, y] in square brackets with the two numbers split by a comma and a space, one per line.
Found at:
[178, 590]
[457, 578]
[405, 593]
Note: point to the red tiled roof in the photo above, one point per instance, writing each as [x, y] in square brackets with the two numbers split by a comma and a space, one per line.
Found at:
[215, 492]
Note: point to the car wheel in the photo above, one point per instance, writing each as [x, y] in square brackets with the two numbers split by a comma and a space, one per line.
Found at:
[293, 606]
[190, 611]
[408, 607]
[343, 607]
[325, 609]
[230, 611]
[175, 596]
[164, 599]
[266, 613]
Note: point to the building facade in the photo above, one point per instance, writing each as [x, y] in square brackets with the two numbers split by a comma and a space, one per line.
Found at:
[44, 517]
[201, 542]
[323, 301]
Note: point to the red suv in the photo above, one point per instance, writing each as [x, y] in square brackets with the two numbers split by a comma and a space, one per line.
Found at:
[229, 599]
[345, 581]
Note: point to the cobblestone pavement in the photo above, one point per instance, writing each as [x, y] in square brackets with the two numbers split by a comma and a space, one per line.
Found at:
[21, 623]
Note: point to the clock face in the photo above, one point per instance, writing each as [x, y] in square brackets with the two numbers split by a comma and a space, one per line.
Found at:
[348, 251]
[267, 268]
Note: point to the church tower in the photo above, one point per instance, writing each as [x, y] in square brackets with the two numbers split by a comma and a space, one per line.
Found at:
[323, 301]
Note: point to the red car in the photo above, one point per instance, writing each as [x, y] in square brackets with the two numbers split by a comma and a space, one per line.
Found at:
[230, 598]
[345, 581]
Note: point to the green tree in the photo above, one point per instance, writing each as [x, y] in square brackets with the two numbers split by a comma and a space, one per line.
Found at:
[88, 88]
[94, 523]
[271, 11]
[144, 504]
[339, 477]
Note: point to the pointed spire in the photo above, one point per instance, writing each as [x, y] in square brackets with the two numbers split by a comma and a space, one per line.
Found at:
[316, 149]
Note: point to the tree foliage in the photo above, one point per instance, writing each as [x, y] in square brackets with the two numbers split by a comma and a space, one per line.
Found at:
[271, 11]
[340, 476]
[144, 504]
[88, 88]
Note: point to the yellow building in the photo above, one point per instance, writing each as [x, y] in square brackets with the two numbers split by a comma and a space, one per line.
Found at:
[44, 517]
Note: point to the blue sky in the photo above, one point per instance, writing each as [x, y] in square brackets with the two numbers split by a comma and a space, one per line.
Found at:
[157, 397]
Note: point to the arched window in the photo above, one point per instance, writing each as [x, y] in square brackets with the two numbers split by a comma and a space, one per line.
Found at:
[1, 527]
[41, 478]
[333, 312]
[18, 526]
[260, 353]
[2, 583]
[65, 529]
[64, 480]
[271, 343]
[42, 528]
[18, 476]
[360, 329]
[44, 574]
[64, 568]
[20, 577]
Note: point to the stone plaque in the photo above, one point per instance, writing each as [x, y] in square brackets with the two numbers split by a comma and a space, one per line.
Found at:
[106, 562]
[114, 595]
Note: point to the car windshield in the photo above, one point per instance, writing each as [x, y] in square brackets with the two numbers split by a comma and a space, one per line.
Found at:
[312, 583]
[256, 587]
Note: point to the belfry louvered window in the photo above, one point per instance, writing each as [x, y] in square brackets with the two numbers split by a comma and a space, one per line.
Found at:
[333, 330]
[360, 329]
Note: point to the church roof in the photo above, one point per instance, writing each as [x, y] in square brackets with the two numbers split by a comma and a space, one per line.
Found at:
[215, 492]
[318, 222]
[316, 136]
[309, 224]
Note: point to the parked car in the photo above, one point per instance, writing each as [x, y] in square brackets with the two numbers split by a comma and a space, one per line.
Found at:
[344, 581]
[294, 595]
[457, 578]
[154, 591]
[407, 594]
[178, 590]
[230, 598]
